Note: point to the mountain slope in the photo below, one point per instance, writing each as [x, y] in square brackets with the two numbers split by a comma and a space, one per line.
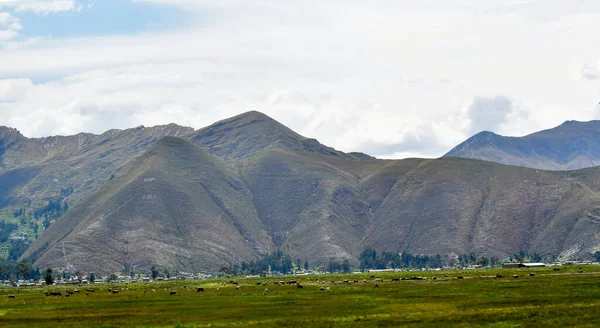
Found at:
[175, 206]
[68, 168]
[572, 145]
[463, 206]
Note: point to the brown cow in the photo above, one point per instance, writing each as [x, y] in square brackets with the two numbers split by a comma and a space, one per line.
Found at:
[299, 286]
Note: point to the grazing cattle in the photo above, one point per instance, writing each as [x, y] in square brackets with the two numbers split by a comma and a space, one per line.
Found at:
[115, 291]
[516, 276]
[184, 286]
[434, 278]
[499, 276]
[299, 286]
[417, 278]
[53, 294]
[461, 277]
[333, 281]
[321, 288]
[11, 296]
[258, 283]
[238, 287]
[90, 290]
[375, 285]
[153, 291]
[264, 284]
[200, 290]
[556, 269]
[378, 279]
[395, 279]
[86, 294]
[174, 292]
[327, 288]
[291, 282]
[580, 271]
[164, 290]
[355, 281]
[68, 295]
[266, 290]
[76, 291]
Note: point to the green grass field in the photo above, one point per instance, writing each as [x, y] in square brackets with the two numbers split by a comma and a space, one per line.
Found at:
[548, 299]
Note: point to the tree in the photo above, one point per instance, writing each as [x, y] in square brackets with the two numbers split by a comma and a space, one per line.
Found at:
[597, 256]
[23, 270]
[154, 272]
[483, 261]
[346, 266]
[92, 278]
[48, 277]
[368, 258]
[306, 265]
[472, 258]
[113, 277]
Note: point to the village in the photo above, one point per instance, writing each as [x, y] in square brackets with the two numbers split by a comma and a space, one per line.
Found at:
[77, 279]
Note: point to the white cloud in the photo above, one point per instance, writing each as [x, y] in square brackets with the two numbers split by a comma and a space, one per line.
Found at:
[590, 72]
[390, 78]
[9, 27]
[40, 6]
[487, 114]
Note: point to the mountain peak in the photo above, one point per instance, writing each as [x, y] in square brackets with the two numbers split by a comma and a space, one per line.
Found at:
[250, 133]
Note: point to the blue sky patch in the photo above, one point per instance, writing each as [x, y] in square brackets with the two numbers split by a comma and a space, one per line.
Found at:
[106, 17]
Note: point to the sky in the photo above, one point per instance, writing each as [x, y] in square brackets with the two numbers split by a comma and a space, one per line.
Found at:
[391, 78]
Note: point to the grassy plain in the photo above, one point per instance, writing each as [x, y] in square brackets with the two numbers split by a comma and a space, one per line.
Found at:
[550, 298]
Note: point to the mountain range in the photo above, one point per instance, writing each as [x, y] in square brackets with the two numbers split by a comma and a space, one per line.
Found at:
[246, 186]
[570, 146]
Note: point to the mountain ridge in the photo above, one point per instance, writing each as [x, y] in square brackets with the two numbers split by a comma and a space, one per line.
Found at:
[571, 145]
